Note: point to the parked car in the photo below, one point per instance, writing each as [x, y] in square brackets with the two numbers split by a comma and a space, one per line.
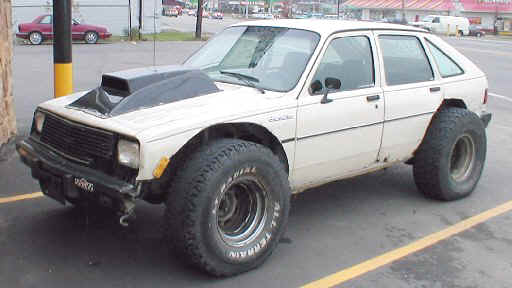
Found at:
[191, 12]
[42, 29]
[262, 16]
[444, 24]
[476, 30]
[171, 11]
[217, 15]
[395, 21]
[263, 110]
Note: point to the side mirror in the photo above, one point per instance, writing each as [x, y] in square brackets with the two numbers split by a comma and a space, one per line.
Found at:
[331, 84]
[315, 87]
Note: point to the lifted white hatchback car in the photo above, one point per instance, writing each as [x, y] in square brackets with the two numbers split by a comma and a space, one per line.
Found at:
[263, 110]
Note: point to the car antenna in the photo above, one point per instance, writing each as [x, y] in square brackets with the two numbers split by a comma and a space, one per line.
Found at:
[154, 35]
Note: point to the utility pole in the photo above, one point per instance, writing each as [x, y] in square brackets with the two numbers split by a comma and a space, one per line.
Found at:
[199, 19]
[496, 17]
[140, 19]
[130, 20]
[338, 11]
[62, 62]
[7, 117]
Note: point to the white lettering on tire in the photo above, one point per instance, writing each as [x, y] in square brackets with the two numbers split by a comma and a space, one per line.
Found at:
[275, 214]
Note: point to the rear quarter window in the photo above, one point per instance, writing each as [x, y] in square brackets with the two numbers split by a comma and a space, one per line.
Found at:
[446, 66]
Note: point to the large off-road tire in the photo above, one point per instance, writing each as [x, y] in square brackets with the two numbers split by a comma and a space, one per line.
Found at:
[228, 207]
[449, 162]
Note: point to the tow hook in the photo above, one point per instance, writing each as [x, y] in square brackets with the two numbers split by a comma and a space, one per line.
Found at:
[128, 212]
[128, 207]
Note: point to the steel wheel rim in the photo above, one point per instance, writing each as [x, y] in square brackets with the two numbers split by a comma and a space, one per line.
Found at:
[90, 37]
[241, 212]
[35, 38]
[462, 158]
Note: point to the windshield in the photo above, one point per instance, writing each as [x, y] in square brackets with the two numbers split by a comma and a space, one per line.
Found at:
[274, 57]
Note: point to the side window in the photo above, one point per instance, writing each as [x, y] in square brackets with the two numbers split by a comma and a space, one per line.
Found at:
[348, 59]
[404, 60]
[46, 20]
[436, 20]
[447, 67]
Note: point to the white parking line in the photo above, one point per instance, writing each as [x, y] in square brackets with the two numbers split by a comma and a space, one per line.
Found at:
[501, 97]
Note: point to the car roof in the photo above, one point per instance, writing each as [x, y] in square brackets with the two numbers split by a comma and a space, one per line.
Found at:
[326, 26]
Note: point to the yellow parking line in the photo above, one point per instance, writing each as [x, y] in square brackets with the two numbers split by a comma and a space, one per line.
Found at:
[386, 258]
[20, 197]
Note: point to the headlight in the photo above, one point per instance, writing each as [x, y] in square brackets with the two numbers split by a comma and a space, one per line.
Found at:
[128, 153]
[39, 121]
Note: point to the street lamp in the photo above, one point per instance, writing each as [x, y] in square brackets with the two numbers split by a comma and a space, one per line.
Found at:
[403, 10]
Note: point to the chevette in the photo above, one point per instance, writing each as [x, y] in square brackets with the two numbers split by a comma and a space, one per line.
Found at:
[263, 110]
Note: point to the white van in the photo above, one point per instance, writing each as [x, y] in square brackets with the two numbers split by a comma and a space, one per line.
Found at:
[445, 24]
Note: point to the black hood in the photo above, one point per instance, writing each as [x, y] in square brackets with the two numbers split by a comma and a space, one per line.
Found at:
[131, 90]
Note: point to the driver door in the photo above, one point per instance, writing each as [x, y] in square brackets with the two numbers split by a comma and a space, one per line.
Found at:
[342, 136]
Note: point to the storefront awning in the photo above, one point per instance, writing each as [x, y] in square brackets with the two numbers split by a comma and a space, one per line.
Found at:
[487, 5]
[435, 5]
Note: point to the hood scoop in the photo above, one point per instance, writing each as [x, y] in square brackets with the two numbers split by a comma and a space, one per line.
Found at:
[131, 90]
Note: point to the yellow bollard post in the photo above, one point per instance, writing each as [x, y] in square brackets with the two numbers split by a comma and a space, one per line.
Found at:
[62, 63]
[448, 30]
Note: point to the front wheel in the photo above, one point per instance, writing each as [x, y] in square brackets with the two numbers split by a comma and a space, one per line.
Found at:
[449, 162]
[91, 37]
[228, 207]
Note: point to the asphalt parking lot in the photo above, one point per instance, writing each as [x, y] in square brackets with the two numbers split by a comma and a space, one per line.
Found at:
[337, 227]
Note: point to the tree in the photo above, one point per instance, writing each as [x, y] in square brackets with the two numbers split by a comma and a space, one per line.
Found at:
[199, 19]
[7, 117]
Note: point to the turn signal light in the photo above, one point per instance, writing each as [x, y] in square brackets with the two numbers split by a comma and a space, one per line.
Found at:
[160, 168]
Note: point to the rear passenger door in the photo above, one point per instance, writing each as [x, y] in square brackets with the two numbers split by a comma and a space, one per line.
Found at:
[411, 91]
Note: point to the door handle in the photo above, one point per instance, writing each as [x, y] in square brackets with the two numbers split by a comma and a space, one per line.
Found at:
[372, 98]
[435, 89]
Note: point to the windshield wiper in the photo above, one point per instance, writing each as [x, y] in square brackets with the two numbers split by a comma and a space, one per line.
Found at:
[249, 80]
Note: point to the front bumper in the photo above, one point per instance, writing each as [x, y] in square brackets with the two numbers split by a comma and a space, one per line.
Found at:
[105, 35]
[486, 118]
[22, 35]
[62, 179]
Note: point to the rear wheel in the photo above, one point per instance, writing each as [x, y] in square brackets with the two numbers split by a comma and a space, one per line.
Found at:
[35, 38]
[228, 207]
[91, 37]
[449, 162]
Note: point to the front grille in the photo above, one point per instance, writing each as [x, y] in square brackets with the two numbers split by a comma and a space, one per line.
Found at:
[91, 145]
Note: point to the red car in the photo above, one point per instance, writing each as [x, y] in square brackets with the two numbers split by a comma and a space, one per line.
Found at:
[42, 29]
